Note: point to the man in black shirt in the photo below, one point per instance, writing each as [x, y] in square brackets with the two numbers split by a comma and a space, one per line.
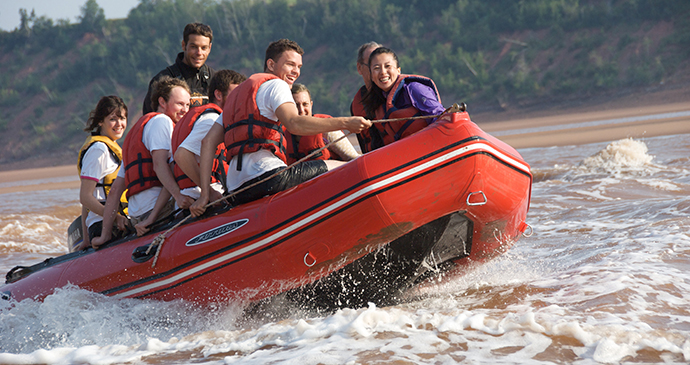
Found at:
[190, 64]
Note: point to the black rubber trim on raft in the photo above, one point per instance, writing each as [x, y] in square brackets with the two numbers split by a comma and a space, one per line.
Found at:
[303, 213]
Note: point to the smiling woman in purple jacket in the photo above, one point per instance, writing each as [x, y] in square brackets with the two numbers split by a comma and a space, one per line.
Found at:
[396, 95]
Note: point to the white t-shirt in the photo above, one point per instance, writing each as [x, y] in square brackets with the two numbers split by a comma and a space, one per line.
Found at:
[195, 191]
[269, 97]
[157, 136]
[193, 144]
[96, 164]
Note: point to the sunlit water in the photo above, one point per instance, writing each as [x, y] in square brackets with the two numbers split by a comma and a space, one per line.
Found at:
[605, 278]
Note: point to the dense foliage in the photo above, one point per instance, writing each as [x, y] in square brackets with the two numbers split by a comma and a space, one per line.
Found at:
[482, 51]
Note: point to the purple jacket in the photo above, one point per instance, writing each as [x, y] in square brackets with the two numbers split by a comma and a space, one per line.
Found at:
[421, 97]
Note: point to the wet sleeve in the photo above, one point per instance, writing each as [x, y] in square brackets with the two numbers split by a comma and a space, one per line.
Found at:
[424, 99]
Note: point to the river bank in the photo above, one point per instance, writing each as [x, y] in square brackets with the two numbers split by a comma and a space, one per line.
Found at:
[633, 116]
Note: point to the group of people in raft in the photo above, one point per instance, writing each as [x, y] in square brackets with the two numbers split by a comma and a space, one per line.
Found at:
[237, 132]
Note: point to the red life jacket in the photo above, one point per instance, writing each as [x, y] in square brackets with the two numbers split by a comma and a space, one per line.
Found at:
[139, 173]
[393, 131]
[357, 110]
[306, 145]
[182, 130]
[246, 130]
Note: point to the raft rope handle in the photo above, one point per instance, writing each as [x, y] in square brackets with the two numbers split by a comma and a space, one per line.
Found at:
[160, 239]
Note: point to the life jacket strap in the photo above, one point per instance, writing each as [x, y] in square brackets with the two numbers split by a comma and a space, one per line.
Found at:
[250, 122]
[407, 124]
[219, 172]
[139, 162]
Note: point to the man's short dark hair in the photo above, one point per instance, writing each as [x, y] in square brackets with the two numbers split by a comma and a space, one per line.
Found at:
[276, 49]
[198, 29]
[222, 80]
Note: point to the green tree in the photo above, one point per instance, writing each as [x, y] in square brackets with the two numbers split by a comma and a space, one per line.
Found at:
[25, 21]
[92, 18]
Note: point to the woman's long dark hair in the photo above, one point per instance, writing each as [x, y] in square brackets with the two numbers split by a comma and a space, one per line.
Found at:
[105, 106]
[374, 98]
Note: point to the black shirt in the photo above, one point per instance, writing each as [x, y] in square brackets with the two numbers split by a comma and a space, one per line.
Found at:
[197, 79]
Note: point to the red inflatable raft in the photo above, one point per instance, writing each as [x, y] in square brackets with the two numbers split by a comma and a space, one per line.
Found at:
[364, 232]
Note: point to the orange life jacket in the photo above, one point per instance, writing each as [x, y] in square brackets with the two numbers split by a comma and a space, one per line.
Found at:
[139, 173]
[393, 131]
[246, 130]
[300, 146]
[182, 130]
[357, 110]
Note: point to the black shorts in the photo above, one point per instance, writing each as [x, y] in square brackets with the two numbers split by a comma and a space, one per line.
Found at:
[285, 180]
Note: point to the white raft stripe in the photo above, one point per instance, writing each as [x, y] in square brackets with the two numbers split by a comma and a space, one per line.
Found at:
[326, 210]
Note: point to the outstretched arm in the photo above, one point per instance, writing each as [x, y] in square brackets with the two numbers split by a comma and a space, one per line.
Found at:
[303, 125]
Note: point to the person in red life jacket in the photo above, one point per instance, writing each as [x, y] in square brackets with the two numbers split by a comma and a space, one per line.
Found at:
[188, 133]
[301, 146]
[252, 131]
[357, 108]
[395, 95]
[190, 65]
[146, 173]
[98, 164]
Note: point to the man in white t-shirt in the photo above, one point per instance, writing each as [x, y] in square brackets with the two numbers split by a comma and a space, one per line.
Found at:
[251, 130]
[190, 130]
[145, 171]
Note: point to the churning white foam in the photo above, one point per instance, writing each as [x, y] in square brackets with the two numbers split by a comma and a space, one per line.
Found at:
[622, 154]
[36, 233]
